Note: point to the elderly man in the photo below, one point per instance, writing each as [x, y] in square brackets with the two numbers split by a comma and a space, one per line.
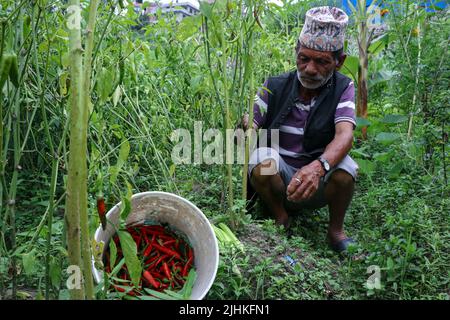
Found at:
[313, 109]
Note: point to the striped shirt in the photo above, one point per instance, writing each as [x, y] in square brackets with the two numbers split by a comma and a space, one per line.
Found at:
[292, 129]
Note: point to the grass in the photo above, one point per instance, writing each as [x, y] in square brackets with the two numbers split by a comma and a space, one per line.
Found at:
[400, 224]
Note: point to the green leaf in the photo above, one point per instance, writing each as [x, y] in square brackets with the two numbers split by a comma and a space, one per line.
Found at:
[112, 253]
[55, 272]
[411, 248]
[118, 267]
[148, 298]
[381, 76]
[380, 43]
[116, 95]
[130, 253]
[387, 137]
[123, 155]
[29, 262]
[395, 170]
[206, 9]
[365, 166]
[382, 157]
[126, 203]
[186, 291]
[174, 294]
[361, 122]
[159, 295]
[105, 82]
[65, 59]
[390, 263]
[394, 118]
[350, 67]
[360, 152]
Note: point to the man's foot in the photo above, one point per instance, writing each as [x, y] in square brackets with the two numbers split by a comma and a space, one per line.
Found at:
[339, 242]
[342, 246]
[284, 221]
[336, 236]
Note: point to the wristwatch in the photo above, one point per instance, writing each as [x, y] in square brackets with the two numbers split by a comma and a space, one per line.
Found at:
[325, 164]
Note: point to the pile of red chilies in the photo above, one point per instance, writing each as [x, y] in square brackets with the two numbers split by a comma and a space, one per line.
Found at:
[167, 258]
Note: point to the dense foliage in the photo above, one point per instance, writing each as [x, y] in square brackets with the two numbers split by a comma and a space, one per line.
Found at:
[150, 79]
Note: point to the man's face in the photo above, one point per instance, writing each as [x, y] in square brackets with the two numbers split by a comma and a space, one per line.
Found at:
[315, 68]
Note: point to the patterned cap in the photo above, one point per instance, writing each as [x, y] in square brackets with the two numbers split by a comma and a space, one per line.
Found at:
[324, 29]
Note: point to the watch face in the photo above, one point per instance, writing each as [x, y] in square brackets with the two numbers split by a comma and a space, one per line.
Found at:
[325, 164]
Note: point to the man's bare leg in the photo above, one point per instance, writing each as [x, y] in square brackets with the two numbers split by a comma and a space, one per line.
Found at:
[271, 189]
[339, 193]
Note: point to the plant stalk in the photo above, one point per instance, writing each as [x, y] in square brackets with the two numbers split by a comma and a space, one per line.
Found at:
[77, 176]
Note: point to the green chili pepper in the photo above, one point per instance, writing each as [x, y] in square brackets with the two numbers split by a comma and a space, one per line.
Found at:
[14, 70]
[5, 66]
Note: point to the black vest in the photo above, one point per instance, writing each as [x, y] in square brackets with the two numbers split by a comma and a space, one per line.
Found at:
[319, 131]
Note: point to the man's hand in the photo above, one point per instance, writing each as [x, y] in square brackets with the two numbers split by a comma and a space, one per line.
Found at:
[244, 122]
[305, 182]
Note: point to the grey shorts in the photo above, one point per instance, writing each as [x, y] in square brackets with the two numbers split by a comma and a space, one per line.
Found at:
[287, 171]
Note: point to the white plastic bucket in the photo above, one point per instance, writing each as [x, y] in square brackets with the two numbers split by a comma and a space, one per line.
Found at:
[183, 216]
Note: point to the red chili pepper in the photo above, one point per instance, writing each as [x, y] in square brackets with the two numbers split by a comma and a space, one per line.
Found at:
[166, 250]
[186, 267]
[148, 250]
[177, 282]
[153, 257]
[177, 269]
[145, 237]
[161, 258]
[164, 286]
[167, 271]
[101, 209]
[169, 242]
[120, 289]
[157, 275]
[154, 229]
[150, 279]
[116, 239]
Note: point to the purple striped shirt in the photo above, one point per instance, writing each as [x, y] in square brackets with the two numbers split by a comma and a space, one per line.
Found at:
[291, 130]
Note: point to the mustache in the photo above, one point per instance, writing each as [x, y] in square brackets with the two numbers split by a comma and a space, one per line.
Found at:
[316, 78]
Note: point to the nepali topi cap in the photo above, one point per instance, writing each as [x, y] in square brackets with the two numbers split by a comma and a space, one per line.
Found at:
[324, 29]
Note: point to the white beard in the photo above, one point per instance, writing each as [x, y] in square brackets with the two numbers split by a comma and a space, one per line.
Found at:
[315, 86]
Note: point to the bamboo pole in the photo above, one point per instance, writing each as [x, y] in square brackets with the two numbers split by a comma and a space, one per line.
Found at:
[2, 41]
[77, 175]
[249, 66]
[363, 64]
[86, 247]
[417, 75]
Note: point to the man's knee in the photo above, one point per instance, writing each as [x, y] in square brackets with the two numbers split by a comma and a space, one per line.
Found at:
[262, 173]
[341, 179]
